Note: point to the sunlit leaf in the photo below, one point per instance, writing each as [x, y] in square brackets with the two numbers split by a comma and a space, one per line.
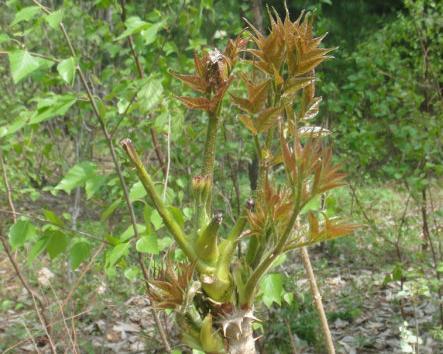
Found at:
[271, 287]
[133, 25]
[66, 68]
[119, 251]
[22, 64]
[25, 14]
[51, 107]
[54, 19]
[150, 34]
[148, 244]
[77, 176]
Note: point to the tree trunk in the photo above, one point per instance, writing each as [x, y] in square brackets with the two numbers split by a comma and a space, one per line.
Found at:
[237, 328]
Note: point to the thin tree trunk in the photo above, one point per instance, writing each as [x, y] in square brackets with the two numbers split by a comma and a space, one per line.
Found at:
[238, 332]
[424, 217]
[8, 189]
[257, 10]
[317, 300]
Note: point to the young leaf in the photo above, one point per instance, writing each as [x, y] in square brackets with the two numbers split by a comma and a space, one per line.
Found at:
[248, 123]
[57, 242]
[118, 252]
[93, 184]
[54, 19]
[77, 176]
[129, 232]
[25, 14]
[313, 132]
[79, 252]
[137, 192]
[53, 106]
[21, 231]
[266, 119]
[133, 25]
[272, 289]
[22, 64]
[148, 244]
[53, 218]
[37, 248]
[150, 34]
[66, 68]
[150, 94]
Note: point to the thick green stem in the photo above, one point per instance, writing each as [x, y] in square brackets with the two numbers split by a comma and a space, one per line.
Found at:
[264, 266]
[209, 155]
[148, 184]
[228, 245]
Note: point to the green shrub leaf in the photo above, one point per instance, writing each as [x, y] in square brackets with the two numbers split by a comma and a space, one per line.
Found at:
[80, 251]
[22, 64]
[57, 243]
[66, 68]
[272, 289]
[21, 231]
[25, 14]
[148, 244]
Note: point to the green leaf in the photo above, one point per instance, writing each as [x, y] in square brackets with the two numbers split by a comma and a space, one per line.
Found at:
[54, 19]
[137, 192]
[22, 64]
[52, 106]
[25, 14]
[272, 288]
[110, 210]
[53, 218]
[4, 38]
[150, 94]
[77, 176]
[129, 232]
[93, 185]
[66, 68]
[21, 231]
[289, 298]
[150, 34]
[16, 125]
[148, 244]
[133, 25]
[118, 252]
[79, 252]
[132, 273]
[37, 248]
[156, 220]
[57, 242]
[164, 242]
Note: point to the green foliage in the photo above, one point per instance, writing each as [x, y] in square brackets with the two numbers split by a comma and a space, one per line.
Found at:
[389, 112]
[22, 64]
[20, 232]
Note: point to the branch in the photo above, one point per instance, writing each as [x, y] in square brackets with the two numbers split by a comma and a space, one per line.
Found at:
[141, 74]
[317, 300]
[148, 184]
